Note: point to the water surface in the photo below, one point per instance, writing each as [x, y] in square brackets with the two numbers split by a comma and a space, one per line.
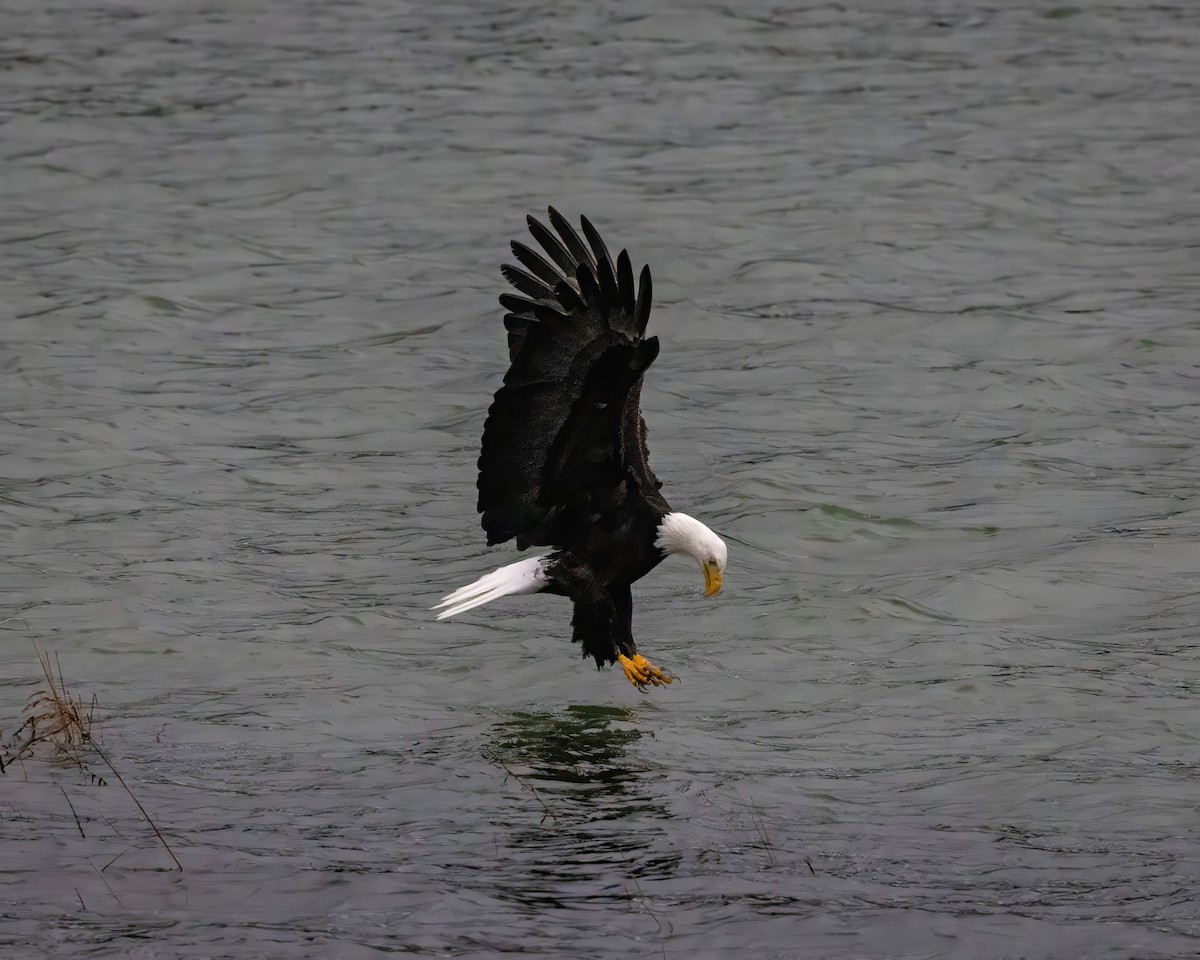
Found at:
[926, 285]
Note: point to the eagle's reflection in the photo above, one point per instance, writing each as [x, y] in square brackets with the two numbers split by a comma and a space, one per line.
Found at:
[589, 805]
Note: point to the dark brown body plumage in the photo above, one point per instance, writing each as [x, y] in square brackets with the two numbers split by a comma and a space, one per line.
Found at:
[564, 460]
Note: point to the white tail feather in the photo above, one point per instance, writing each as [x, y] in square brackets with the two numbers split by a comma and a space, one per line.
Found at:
[524, 576]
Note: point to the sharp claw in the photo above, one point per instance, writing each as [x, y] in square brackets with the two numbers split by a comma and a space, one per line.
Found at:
[642, 673]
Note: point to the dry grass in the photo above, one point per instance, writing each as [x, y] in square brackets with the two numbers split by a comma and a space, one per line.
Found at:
[57, 726]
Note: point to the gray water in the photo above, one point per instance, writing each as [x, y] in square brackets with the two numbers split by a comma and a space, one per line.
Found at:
[926, 285]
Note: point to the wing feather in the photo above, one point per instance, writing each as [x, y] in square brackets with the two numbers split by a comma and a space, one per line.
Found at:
[625, 284]
[565, 431]
[536, 264]
[552, 245]
[597, 244]
[644, 298]
[527, 284]
[609, 295]
[570, 238]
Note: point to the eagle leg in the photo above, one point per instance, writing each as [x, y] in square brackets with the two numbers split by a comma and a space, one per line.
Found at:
[638, 670]
[642, 673]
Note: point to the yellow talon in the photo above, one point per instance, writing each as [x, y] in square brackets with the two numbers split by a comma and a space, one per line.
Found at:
[641, 672]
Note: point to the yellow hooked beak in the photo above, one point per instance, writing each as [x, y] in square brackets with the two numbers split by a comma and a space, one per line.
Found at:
[712, 579]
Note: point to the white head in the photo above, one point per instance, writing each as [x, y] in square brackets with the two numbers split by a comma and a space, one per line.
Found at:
[679, 533]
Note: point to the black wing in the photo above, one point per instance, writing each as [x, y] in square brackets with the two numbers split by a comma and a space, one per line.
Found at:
[565, 430]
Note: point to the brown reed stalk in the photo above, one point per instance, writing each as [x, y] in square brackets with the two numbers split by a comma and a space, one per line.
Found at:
[55, 719]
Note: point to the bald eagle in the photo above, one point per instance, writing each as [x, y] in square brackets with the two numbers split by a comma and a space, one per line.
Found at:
[564, 462]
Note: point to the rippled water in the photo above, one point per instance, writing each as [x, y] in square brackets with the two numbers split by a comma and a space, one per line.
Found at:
[926, 281]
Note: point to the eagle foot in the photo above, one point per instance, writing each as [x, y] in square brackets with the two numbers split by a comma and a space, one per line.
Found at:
[642, 673]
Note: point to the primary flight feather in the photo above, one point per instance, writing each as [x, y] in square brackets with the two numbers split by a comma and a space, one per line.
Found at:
[564, 461]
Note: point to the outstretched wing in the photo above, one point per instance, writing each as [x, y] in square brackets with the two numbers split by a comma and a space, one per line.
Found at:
[565, 430]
